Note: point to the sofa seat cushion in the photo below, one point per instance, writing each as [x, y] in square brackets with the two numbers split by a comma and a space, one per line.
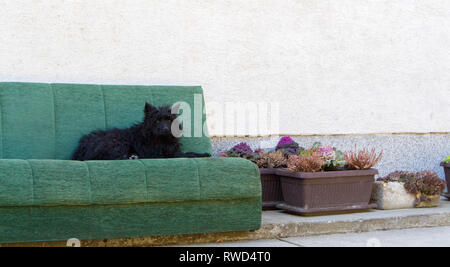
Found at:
[66, 182]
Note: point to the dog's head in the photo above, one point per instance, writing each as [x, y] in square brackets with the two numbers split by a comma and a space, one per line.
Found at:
[158, 121]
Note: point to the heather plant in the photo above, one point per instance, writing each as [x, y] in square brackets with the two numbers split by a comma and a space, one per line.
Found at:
[288, 146]
[422, 184]
[306, 161]
[274, 159]
[260, 152]
[362, 159]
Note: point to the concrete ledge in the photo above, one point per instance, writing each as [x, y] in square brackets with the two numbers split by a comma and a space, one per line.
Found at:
[277, 224]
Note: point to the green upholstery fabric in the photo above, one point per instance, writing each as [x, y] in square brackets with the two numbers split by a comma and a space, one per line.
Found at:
[44, 196]
[23, 224]
[66, 182]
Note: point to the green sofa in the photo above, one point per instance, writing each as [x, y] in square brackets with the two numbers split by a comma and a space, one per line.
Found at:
[44, 196]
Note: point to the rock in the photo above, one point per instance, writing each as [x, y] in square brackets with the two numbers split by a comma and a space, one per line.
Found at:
[392, 195]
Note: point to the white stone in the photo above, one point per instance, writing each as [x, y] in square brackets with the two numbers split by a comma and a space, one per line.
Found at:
[392, 195]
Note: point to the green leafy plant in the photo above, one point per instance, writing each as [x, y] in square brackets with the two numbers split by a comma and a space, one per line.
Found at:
[447, 160]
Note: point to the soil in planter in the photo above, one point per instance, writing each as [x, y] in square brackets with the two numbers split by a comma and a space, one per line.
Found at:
[271, 189]
[326, 192]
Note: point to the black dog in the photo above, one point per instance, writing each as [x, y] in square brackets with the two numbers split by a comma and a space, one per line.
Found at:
[151, 138]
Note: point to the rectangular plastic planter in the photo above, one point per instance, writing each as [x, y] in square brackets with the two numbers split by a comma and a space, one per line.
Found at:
[271, 189]
[310, 193]
[447, 178]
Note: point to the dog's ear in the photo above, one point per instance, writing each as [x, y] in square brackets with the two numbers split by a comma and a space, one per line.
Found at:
[149, 109]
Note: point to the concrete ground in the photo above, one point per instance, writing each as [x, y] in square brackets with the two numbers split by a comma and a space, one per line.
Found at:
[416, 237]
[372, 227]
[283, 229]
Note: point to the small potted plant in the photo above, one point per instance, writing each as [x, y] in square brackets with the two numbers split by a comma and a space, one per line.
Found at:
[323, 180]
[446, 164]
[403, 189]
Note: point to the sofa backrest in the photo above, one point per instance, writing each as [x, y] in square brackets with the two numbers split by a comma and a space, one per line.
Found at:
[46, 121]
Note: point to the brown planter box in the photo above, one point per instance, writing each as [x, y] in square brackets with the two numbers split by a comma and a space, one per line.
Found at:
[307, 193]
[447, 178]
[271, 189]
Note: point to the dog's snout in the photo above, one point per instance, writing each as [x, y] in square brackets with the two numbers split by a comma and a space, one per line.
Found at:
[165, 126]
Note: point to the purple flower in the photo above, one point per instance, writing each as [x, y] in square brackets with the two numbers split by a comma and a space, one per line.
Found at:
[326, 149]
[284, 141]
[242, 148]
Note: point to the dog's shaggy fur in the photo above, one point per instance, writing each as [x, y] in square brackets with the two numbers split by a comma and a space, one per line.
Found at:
[151, 138]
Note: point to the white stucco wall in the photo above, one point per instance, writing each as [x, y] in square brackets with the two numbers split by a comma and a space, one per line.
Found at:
[335, 67]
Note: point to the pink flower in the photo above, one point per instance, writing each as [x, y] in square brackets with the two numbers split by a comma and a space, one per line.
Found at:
[326, 149]
[327, 152]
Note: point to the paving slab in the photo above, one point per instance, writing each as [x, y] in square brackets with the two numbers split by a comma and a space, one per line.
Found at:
[253, 243]
[417, 237]
[280, 217]
[279, 225]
